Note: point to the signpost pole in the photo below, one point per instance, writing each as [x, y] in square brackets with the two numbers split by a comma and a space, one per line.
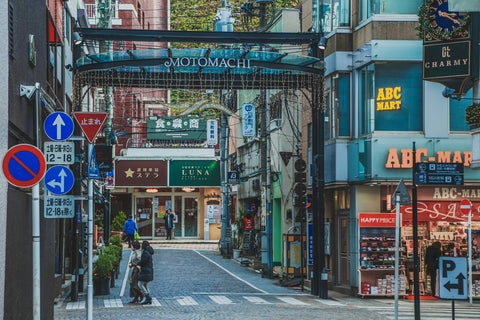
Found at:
[36, 220]
[90, 247]
[416, 275]
[397, 240]
[470, 255]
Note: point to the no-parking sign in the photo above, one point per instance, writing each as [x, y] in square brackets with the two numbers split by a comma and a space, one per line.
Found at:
[24, 165]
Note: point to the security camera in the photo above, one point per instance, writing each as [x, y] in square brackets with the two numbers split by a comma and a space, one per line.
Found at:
[447, 92]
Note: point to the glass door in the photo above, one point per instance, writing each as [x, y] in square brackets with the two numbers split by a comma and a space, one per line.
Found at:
[190, 205]
[344, 251]
[144, 216]
[163, 203]
[186, 210]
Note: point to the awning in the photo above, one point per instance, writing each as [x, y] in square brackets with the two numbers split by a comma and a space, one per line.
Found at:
[199, 69]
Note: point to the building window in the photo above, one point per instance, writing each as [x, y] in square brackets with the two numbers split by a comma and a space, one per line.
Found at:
[398, 97]
[369, 8]
[332, 14]
[366, 99]
[341, 105]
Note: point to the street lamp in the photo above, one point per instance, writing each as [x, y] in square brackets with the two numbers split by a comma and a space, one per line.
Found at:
[77, 38]
[322, 44]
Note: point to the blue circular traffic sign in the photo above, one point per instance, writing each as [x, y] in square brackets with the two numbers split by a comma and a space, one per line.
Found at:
[24, 165]
[59, 180]
[58, 126]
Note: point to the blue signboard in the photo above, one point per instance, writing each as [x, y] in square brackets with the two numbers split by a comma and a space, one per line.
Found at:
[59, 180]
[453, 278]
[248, 120]
[93, 172]
[58, 126]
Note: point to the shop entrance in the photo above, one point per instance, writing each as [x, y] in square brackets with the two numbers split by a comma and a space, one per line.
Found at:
[150, 215]
[186, 210]
[143, 216]
[343, 251]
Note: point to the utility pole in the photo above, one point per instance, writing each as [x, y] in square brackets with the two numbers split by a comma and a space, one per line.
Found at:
[267, 237]
[224, 22]
[105, 21]
[319, 275]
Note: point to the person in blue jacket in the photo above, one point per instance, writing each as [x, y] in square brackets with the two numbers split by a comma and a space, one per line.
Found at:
[129, 228]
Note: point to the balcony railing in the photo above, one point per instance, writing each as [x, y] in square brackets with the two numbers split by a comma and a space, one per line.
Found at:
[93, 14]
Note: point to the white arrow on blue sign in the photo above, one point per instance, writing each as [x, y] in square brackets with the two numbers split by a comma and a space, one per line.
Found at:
[59, 180]
[58, 126]
[93, 172]
[453, 277]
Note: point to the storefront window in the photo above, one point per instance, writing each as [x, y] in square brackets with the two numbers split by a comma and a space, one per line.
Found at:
[369, 8]
[144, 216]
[398, 97]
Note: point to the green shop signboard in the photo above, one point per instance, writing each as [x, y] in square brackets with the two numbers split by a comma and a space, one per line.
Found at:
[201, 173]
[177, 128]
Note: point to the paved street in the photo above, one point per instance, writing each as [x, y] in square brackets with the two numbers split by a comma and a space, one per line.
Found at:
[195, 282]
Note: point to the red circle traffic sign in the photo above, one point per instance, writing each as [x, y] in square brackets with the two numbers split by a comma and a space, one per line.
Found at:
[109, 181]
[24, 165]
[465, 206]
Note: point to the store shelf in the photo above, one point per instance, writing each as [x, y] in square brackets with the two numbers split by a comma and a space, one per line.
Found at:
[382, 269]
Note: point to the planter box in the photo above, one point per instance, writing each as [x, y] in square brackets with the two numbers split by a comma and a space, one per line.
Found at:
[101, 287]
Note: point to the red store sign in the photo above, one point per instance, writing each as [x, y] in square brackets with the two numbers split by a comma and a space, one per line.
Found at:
[440, 211]
[376, 220]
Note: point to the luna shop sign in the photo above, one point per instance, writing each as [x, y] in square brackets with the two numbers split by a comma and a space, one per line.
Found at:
[207, 62]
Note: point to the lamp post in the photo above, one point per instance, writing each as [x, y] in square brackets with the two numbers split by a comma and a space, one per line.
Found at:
[319, 275]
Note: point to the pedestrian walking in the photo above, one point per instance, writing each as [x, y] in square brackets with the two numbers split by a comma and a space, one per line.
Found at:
[432, 255]
[129, 228]
[146, 271]
[135, 258]
[169, 217]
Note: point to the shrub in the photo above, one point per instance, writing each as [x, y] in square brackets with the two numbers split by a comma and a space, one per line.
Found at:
[103, 267]
[472, 114]
[116, 240]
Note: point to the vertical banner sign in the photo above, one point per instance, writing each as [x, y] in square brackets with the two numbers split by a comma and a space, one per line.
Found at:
[212, 132]
[248, 120]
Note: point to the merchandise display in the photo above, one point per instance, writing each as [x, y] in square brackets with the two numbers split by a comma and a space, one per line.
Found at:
[377, 255]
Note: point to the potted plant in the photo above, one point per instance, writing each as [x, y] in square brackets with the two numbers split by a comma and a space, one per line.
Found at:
[118, 222]
[102, 273]
[115, 254]
[472, 116]
[237, 228]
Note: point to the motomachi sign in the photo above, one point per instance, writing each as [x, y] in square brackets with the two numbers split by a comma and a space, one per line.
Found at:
[207, 62]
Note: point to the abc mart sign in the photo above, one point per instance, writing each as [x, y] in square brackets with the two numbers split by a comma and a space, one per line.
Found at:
[207, 62]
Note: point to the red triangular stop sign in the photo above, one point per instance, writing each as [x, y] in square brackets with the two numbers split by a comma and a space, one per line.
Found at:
[91, 123]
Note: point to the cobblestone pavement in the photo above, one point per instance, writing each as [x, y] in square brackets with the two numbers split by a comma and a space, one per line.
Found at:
[193, 281]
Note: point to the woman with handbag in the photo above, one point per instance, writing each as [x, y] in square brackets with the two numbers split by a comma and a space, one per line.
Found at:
[146, 271]
[135, 258]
